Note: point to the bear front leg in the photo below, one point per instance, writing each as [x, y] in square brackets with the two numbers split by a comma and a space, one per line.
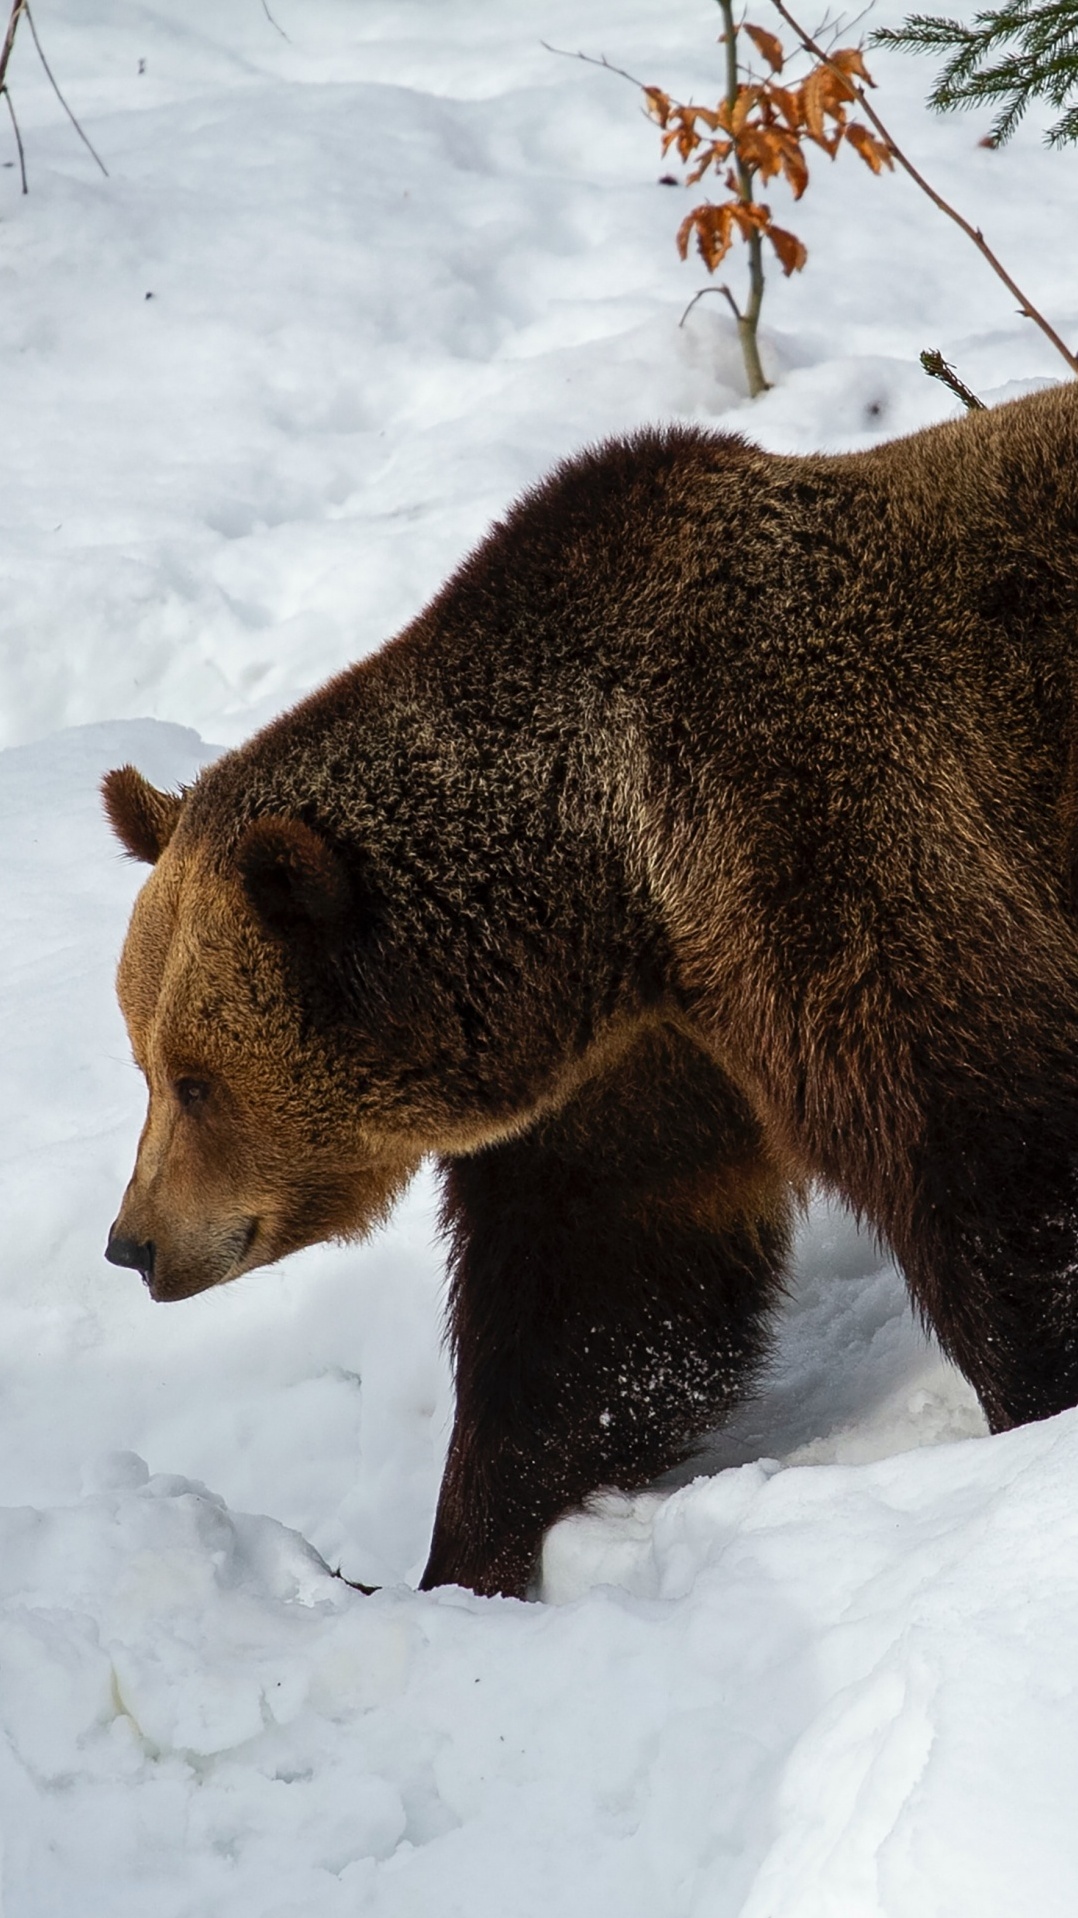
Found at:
[612, 1276]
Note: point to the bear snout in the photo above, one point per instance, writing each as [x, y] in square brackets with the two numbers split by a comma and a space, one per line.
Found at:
[129, 1252]
[181, 1265]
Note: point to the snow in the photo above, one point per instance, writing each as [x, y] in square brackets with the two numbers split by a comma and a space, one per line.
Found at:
[342, 295]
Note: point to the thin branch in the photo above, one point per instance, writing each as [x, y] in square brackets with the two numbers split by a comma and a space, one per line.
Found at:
[847, 26]
[87, 143]
[275, 23]
[938, 368]
[591, 60]
[18, 138]
[1026, 306]
[9, 37]
[727, 295]
[5, 56]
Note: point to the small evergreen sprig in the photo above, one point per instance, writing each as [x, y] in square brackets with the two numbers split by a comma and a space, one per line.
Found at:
[1011, 55]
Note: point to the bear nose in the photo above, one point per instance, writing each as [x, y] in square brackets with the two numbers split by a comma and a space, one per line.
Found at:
[130, 1252]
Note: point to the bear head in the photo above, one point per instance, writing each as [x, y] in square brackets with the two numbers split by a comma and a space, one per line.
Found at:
[264, 1132]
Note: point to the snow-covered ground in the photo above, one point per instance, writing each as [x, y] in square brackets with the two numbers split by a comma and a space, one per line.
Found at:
[343, 293]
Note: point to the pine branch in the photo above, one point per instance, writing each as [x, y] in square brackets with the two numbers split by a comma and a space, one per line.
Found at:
[1011, 55]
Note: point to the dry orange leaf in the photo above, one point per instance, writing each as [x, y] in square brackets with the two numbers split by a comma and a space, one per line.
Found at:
[713, 156]
[767, 44]
[751, 216]
[874, 152]
[659, 104]
[792, 252]
[713, 227]
[813, 101]
[758, 149]
[795, 167]
[743, 105]
[788, 103]
[850, 60]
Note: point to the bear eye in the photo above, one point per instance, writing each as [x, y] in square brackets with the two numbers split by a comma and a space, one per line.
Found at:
[191, 1093]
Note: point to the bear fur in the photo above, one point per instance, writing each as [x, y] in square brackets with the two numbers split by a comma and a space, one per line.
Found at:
[711, 834]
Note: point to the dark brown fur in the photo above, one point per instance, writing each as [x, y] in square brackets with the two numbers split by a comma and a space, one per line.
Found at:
[712, 832]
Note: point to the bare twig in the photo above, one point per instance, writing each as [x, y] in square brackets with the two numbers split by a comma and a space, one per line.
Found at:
[727, 295]
[833, 24]
[18, 6]
[5, 55]
[87, 143]
[275, 23]
[18, 138]
[593, 60]
[1025, 305]
[938, 368]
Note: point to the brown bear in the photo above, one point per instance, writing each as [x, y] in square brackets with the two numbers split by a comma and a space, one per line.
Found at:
[711, 834]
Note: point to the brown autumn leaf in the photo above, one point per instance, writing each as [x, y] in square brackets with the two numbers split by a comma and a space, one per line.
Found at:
[772, 150]
[713, 156]
[750, 216]
[813, 101]
[874, 152]
[837, 92]
[682, 130]
[824, 95]
[841, 89]
[768, 45]
[850, 60]
[713, 228]
[794, 166]
[760, 150]
[743, 105]
[791, 251]
[681, 133]
[788, 102]
[683, 233]
[659, 104]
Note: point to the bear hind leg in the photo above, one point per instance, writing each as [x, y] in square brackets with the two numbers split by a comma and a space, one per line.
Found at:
[992, 1257]
[949, 1118]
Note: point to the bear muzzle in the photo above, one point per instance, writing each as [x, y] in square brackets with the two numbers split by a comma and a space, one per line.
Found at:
[129, 1252]
[184, 1269]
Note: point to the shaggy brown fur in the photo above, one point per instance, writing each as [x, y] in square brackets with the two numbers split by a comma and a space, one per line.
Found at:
[713, 831]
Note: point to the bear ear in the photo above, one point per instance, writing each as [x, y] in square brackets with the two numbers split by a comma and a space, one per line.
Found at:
[142, 818]
[293, 879]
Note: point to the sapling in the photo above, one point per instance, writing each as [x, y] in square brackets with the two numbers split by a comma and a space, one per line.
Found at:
[759, 130]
